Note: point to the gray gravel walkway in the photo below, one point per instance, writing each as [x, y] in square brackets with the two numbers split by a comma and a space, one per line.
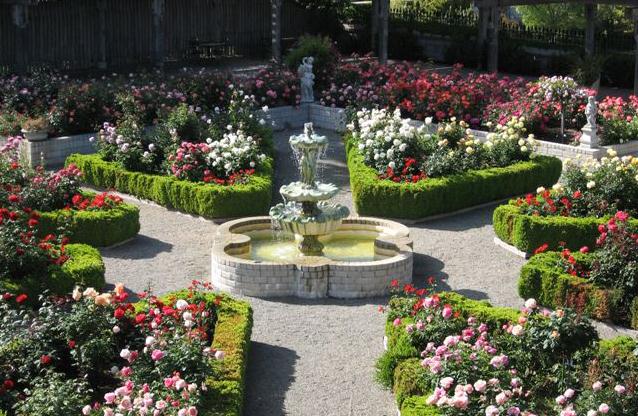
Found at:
[312, 358]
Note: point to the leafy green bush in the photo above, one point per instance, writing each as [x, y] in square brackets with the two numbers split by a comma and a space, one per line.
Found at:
[373, 196]
[324, 53]
[84, 268]
[101, 228]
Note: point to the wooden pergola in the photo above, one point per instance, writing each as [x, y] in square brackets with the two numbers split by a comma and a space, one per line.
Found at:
[489, 22]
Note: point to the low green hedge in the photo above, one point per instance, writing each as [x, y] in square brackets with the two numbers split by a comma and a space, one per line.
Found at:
[225, 395]
[84, 268]
[528, 232]
[543, 279]
[208, 200]
[377, 197]
[96, 228]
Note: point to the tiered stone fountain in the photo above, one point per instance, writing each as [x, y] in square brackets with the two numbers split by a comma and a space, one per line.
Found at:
[307, 213]
[308, 247]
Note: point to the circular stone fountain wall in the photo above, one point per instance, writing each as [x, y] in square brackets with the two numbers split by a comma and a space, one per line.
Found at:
[237, 267]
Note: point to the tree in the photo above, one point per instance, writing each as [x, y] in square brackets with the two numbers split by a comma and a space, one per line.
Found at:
[572, 16]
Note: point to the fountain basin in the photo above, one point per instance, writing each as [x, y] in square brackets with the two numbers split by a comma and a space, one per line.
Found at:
[300, 192]
[290, 219]
[361, 258]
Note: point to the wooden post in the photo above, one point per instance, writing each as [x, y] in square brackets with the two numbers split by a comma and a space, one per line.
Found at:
[101, 7]
[493, 27]
[384, 22]
[275, 21]
[590, 31]
[635, 16]
[20, 20]
[374, 25]
[483, 21]
[159, 8]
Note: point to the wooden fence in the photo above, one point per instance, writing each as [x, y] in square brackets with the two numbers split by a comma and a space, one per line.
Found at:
[65, 33]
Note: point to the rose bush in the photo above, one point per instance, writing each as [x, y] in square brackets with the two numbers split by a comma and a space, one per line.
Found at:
[475, 359]
[596, 188]
[222, 147]
[107, 356]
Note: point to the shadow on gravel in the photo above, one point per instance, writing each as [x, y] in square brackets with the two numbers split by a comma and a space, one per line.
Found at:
[141, 247]
[472, 294]
[269, 376]
[425, 267]
[463, 221]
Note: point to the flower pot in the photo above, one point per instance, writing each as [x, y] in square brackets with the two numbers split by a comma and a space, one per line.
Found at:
[35, 136]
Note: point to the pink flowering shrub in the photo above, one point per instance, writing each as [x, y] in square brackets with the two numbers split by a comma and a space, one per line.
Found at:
[111, 357]
[541, 363]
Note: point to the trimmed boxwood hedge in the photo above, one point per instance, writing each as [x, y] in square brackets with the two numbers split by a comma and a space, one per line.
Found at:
[208, 200]
[384, 198]
[410, 394]
[96, 228]
[542, 278]
[225, 396]
[84, 268]
[528, 232]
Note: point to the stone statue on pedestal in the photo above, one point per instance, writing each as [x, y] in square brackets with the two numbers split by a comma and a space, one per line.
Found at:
[307, 79]
[589, 138]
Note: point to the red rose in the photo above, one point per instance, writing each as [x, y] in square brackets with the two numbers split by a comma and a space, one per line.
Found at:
[45, 359]
[14, 198]
[119, 313]
[139, 318]
[71, 344]
[8, 384]
[21, 298]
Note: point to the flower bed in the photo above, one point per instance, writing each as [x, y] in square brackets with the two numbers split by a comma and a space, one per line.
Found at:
[208, 200]
[34, 262]
[215, 165]
[98, 220]
[447, 356]
[600, 283]
[96, 354]
[83, 266]
[99, 228]
[400, 171]
[571, 212]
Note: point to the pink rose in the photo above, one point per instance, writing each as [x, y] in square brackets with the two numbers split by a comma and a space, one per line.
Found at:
[157, 355]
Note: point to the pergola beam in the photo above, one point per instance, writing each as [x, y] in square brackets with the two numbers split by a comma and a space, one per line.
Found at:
[275, 21]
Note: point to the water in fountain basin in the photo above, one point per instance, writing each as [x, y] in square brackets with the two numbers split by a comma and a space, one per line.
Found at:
[351, 248]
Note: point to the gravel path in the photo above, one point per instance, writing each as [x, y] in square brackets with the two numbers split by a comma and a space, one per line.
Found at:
[317, 357]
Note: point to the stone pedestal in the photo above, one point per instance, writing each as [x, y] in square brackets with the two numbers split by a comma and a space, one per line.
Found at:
[589, 139]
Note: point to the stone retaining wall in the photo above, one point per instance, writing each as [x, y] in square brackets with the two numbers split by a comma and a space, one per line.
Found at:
[53, 152]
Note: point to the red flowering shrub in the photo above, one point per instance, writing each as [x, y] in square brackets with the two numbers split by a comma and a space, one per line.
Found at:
[22, 253]
[94, 202]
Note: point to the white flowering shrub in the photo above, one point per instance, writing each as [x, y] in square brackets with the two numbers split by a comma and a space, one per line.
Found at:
[400, 151]
[223, 146]
[224, 161]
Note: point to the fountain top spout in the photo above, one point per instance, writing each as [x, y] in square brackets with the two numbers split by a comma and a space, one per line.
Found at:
[308, 140]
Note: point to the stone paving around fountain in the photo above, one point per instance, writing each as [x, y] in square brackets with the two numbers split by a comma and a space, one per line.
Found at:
[316, 357]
